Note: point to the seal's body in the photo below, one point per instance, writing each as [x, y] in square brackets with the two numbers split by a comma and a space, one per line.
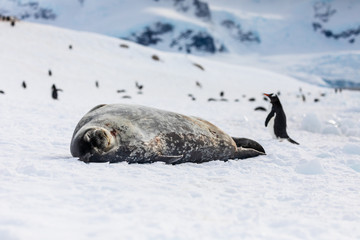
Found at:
[138, 134]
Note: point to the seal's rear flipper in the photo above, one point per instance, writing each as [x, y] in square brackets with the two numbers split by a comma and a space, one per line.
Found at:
[168, 159]
[243, 153]
[248, 143]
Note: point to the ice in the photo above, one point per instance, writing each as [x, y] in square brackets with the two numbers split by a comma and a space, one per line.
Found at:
[310, 167]
[311, 123]
[351, 149]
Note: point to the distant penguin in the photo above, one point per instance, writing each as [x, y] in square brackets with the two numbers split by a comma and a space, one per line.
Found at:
[140, 87]
[50, 73]
[277, 119]
[97, 84]
[121, 91]
[303, 97]
[222, 94]
[198, 84]
[191, 96]
[55, 91]
[24, 84]
[2, 92]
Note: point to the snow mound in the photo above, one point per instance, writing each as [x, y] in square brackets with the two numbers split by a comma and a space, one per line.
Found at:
[311, 123]
[310, 167]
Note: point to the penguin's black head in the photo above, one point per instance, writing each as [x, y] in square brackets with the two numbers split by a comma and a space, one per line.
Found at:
[273, 98]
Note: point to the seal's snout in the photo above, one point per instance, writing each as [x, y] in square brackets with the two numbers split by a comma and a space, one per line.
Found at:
[99, 139]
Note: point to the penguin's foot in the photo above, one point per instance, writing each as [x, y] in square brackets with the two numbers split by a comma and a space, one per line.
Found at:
[292, 141]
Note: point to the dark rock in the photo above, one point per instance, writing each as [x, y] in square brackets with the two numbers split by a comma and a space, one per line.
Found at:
[124, 46]
[155, 57]
[237, 33]
[323, 11]
[260, 109]
[316, 26]
[151, 35]
[202, 10]
[199, 66]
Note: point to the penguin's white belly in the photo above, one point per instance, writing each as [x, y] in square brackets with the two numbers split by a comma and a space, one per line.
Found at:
[271, 126]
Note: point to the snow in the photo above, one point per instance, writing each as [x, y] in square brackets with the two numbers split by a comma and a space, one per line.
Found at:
[310, 191]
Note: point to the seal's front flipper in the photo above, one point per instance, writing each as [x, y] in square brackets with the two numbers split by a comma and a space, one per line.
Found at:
[168, 159]
[248, 143]
[242, 153]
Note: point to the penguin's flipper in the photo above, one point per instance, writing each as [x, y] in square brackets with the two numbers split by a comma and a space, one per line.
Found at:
[242, 153]
[271, 114]
[248, 143]
[292, 141]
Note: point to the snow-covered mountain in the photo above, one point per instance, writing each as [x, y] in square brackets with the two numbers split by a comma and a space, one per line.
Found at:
[207, 26]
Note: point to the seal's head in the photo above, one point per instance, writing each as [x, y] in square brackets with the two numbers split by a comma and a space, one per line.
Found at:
[92, 143]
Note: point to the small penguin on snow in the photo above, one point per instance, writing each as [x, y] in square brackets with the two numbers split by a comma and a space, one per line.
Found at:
[277, 119]
[54, 92]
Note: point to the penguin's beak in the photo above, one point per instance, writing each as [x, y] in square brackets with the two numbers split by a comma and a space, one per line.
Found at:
[268, 95]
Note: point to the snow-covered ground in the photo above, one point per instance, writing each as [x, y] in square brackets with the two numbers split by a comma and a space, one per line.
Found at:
[310, 191]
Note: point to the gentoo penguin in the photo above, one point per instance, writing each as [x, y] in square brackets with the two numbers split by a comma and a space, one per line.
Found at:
[54, 93]
[277, 119]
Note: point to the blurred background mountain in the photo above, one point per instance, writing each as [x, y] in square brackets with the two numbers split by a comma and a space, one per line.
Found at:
[204, 27]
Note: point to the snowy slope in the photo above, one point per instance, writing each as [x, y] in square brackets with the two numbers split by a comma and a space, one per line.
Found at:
[309, 191]
[223, 28]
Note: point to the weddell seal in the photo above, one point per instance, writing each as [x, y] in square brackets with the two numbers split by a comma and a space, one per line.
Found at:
[138, 134]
